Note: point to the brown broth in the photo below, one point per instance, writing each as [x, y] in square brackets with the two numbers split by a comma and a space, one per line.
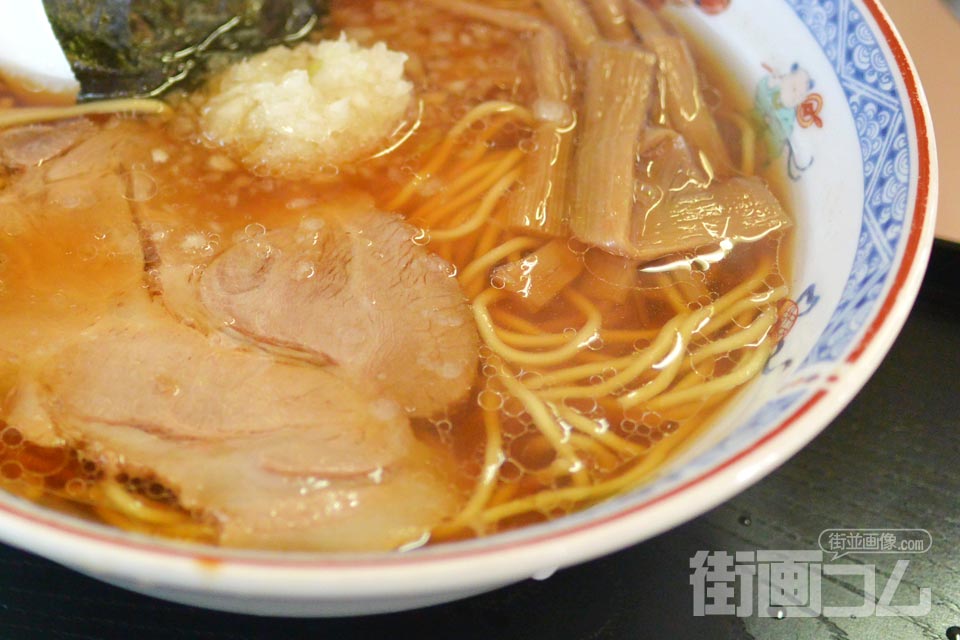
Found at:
[54, 273]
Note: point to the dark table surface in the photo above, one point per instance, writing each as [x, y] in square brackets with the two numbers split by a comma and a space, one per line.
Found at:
[889, 461]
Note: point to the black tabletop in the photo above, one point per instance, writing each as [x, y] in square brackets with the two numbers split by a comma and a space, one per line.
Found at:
[888, 462]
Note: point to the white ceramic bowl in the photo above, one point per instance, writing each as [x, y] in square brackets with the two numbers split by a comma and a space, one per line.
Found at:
[865, 190]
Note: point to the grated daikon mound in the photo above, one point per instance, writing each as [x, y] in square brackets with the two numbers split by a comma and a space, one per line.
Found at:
[296, 111]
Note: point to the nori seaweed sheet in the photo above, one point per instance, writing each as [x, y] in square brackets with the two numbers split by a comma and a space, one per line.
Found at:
[121, 48]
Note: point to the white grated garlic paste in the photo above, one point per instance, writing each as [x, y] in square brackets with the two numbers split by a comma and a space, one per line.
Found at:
[297, 111]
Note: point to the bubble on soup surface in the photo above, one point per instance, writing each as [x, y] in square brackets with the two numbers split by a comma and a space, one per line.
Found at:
[139, 186]
[490, 400]
[532, 452]
[76, 487]
[513, 407]
[11, 436]
[11, 470]
[510, 472]
[254, 230]
[43, 461]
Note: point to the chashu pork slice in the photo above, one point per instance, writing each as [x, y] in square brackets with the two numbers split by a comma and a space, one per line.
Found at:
[281, 455]
[70, 252]
[353, 289]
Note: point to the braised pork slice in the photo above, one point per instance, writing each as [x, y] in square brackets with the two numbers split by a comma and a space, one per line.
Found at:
[69, 249]
[32, 145]
[353, 289]
[282, 455]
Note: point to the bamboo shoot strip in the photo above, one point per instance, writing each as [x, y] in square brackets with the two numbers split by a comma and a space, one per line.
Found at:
[680, 86]
[575, 21]
[552, 68]
[541, 205]
[618, 91]
[722, 215]
[612, 19]
[540, 277]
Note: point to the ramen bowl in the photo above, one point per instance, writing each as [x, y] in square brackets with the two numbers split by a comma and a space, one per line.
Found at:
[854, 137]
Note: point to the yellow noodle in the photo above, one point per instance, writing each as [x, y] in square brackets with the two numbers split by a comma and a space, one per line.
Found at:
[472, 186]
[629, 335]
[569, 496]
[551, 499]
[669, 291]
[745, 371]
[442, 154]
[134, 507]
[186, 529]
[481, 214]
[463, 181]
[33, 115]
[482, 265]
[493, 459]
[602, 454]
[518, 324]
[525, 334]
[751, 335]
[196, 531]
[748, 141]
[481, 147]
[122, 521]
[516, 256]
[599, 363]
[695, 377]
[582, 338]
[674, 337]
[588, 427]
[463, 249]
[663, 379]
[591, 357]
[545, 422]
[720, 320]
[526, 341]
[553, 474]
[488, 239]
[745, 317]
[406, 135]
[743, 289]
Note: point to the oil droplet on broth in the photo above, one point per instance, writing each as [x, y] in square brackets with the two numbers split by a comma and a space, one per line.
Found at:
[305, 271]
[422, 238]
[167, 386]
[88, 252]
[451, 370]
[263, 250]
[452, 320]
[350, 335]
[385, 409]
[72, 198]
